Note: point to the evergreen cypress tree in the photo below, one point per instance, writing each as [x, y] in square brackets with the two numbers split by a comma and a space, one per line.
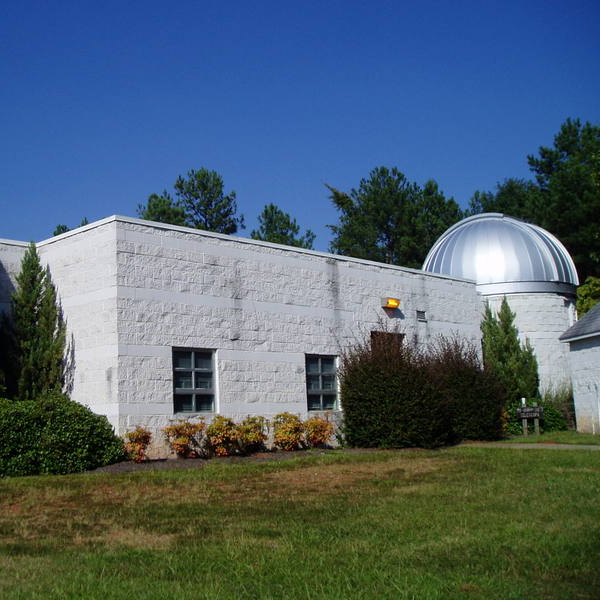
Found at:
[52, 336]
[514, 363]
[38, 329]
[8, 358]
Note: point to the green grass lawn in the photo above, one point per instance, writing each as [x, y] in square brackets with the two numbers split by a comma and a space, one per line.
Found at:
[472, 523]
[558, 437]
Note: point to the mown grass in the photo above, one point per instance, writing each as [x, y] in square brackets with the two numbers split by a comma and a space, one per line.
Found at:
[558, 437]
[459, 523]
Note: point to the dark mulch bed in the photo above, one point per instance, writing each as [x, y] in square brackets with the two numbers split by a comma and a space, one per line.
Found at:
[199, 463]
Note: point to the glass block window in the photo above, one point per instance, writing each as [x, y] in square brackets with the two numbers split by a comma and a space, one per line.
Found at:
[193, 381]
[321, 384]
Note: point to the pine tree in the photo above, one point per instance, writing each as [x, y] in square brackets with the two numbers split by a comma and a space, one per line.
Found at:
[206, 206]
[513, 362]
[38, 329]
[162, 209]
[390, 219]
[280, 228]
[200, 202]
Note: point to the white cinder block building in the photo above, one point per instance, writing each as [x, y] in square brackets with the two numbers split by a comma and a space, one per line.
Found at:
[168, 322]
[583, 339]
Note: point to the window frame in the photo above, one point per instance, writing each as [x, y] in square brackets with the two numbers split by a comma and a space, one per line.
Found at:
[322, 392]
[197, 393]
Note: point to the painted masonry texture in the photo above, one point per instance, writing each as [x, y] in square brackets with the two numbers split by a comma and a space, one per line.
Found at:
[11, 255]
[133, 290]
[261, 307]
[584, 358]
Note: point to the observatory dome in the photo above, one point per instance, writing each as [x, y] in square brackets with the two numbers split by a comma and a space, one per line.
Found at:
[503, 255]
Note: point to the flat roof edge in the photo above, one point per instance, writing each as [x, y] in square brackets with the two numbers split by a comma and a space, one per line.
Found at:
[77, 231]
[14, 243]
[248, 241]
[296, 249]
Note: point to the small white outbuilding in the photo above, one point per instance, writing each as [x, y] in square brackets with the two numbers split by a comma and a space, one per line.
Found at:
[584, 359]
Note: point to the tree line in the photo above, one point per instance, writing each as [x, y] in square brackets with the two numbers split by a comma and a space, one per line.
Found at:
[388, 218]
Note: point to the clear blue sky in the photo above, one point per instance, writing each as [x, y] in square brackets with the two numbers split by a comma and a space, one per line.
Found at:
[104, 103]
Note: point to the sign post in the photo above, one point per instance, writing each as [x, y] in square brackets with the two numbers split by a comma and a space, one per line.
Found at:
[534, 412]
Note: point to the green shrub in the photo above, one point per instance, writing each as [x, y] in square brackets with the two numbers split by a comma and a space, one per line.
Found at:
[54, 435]
[553, 419]
[288, 431]
[222, 437]
[561, 398]
[20, 427]
[185, 437]
[514, 424]
[386, 397]
[474, 397]
[397, 395]
[136, 444]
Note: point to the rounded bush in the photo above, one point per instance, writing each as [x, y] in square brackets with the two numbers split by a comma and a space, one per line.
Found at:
[54, 435]
[185, 437]
[136, 444]
[222, 437]
[288, 431]
[554, 419]
[397, 395]
[318, 432]
[252, 435]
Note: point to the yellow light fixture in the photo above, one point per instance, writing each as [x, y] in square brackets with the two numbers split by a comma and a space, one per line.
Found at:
[390, 303]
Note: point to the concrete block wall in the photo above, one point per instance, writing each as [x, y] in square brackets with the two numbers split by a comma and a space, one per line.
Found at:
[584, 360]
[262, 308]
[542, 318]
[83, 265]
[132, 291]
[11, 255]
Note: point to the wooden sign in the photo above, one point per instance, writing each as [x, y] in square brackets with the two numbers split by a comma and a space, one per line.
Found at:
[530, 412]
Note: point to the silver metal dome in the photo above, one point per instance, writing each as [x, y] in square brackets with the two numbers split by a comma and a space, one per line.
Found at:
[503, 255]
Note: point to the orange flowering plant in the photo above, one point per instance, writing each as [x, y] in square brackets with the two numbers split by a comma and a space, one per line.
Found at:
[288, 431]
[136, 444]
[185, 437]
[222, 436]
[318, 431]
[252, 434]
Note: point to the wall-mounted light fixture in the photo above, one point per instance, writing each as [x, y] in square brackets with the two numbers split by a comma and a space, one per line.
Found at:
[390, 303]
